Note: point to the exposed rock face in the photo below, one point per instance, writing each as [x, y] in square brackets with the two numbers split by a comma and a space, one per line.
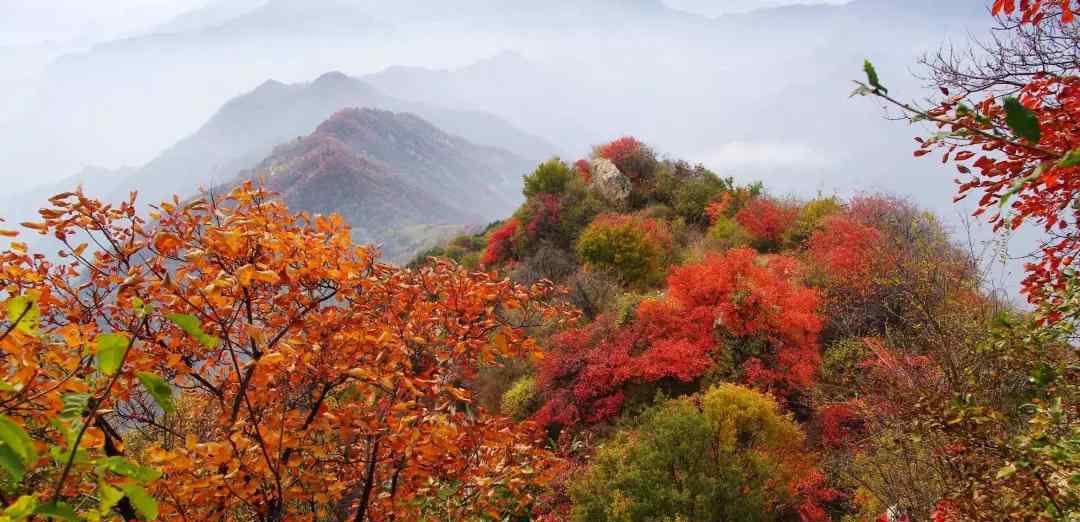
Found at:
[606, 179]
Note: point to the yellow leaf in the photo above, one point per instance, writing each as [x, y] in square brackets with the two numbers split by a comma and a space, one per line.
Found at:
[267, 276]
[244, 275]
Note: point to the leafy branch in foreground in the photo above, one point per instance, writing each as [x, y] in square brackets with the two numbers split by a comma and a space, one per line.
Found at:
[236, 361]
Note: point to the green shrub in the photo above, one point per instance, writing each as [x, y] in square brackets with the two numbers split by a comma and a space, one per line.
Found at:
[471, 260]
[727, 233]
[469, 242]
[841, 364]
[626, 305]
[550, 177]
[634, 249]
[691, 197]
[809, 219]
[578, 207]
[454, 252]
[726, 455]
[520, 400]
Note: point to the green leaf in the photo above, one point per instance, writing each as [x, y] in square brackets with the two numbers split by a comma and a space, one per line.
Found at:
[872, 77]
[24, 313]
[159, 390]
[110, 352]
[1021, 120]
[1043, 375]
[11, 463]
[190, 325]
[1006, 471]
[22, 508]
[143, 502]
[62, 455]
[19, 442]
[74, 405]
[110, 496]
[1070, 159]
[124, 467]
[59, 510]
[141, 308]
[68, 431]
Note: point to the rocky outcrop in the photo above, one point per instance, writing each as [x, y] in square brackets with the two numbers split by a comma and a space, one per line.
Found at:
[606, 179]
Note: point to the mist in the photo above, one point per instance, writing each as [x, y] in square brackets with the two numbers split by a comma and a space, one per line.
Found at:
[753, 89]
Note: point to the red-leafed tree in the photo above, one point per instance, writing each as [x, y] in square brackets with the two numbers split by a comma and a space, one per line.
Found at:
[501, 243]
[632, 157]
[767, 220]
[1031, 11]
[583, 169]
[847, 251]
[740, 314]
[1021, 154]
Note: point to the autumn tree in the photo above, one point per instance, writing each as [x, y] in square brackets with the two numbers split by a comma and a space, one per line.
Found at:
[1014, 139]
[736, 316]
[767, 220]
[728, 454]
[260, 364]
[632, 157]
[501, 243]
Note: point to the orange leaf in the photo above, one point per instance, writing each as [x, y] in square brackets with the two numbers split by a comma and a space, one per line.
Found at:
[167, 243]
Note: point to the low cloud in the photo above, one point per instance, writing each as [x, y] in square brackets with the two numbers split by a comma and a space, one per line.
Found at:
[763, 155]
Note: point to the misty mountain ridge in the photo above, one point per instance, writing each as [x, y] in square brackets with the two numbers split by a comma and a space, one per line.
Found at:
[247, 128]
[157, 87]
[581, 75]
[397, 179]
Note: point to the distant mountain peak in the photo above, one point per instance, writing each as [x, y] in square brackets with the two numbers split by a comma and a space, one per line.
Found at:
[270, 85]
[332, 77]
[386, 171]
[351, 121]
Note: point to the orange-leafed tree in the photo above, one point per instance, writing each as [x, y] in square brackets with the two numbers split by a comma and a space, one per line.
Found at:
[234, 361]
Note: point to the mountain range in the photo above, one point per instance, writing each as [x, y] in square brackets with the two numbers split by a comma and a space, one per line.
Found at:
[605, 65]
[247, 128]
[399, 180]
[534, 78]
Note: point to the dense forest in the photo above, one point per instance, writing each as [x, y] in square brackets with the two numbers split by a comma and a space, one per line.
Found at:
[641, 340]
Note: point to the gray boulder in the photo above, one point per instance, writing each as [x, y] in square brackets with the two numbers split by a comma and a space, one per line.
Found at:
[606, 179]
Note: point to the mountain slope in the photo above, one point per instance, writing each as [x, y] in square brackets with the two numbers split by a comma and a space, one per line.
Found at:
[247, 128]
[399, 180]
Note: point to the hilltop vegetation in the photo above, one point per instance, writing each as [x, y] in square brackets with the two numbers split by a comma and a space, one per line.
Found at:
[857, 327]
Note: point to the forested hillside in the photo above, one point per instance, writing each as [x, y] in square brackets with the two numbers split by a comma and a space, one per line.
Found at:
[745, 357]
[633, 338]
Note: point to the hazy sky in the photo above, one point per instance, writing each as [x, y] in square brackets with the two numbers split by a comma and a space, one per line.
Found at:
[31, 22]
[718, 7]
